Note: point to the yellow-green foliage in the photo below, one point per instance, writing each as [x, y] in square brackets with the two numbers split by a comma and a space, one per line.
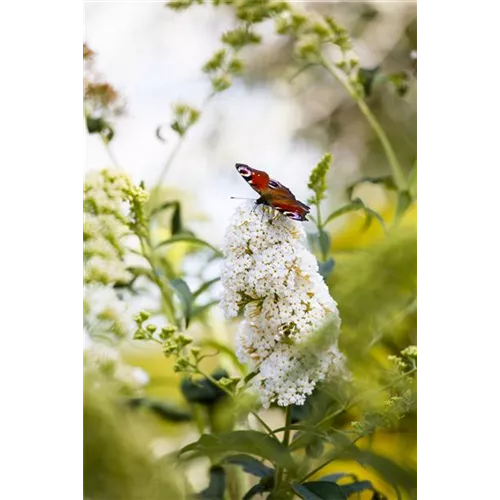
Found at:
[117, 462]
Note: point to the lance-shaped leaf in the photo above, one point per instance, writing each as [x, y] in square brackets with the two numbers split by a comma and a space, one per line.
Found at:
[251, 465]
[251, 442]
[187, 238]
[319, 490]
[184, 293]
[216, 487]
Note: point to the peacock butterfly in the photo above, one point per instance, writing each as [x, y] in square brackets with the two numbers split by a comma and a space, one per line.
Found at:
[273, 193]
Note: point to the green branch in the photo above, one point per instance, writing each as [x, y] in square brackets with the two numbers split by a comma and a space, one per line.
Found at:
[397, 172]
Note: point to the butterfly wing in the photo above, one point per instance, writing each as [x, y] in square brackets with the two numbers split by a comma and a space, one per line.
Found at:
[283, 200]
[294, 209]
[257, 179]
[273, 193]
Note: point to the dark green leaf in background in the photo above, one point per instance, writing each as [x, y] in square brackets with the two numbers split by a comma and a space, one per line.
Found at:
[319, 490]
[216, 487]
[251, 465]
[252, 442]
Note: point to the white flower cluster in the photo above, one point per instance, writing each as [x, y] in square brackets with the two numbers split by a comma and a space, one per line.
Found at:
[269, 273]
[105, 315]
[105, 361]
[104, 226]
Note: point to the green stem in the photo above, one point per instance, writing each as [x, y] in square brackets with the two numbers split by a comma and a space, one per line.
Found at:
[286, 442]
[297, 443]
[397, 172]
[326, 462]
[173, 154]
[167, 299]
[229, 393]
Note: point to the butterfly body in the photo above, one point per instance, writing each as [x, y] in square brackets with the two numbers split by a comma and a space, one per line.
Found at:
[273, 193]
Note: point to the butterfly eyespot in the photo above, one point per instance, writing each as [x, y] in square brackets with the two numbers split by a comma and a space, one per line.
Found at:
[274, 184]
[243, 170]
[292, 215]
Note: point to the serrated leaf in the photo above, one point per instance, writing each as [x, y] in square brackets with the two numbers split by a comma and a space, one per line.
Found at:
[251, 465]
[251, 442]
[326, 268]
[216, 487]
[186, 238]
[319, 490]
[186, 297]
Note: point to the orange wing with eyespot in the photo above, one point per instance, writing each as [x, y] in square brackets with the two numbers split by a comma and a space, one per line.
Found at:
[273, 193]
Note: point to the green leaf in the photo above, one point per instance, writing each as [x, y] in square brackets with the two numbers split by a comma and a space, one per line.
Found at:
[319, 490]
[412, 182]
[184, 293]
[350, 207]
[250, 376]
[326, 268]
[357, 204]
[370, 214]
[164, 410]
[401, 82]
[203, 391]
[387, 181]
[251, 442]
[141, 271]
[335, 477]
[404, 201]
[187, 239]
[198, 310]
[315, 448]
[251, 465]
[324, 242]
[224, 349]
[205, 287]
[163, 206]
[367, 77]
[393, 473]
[176, 225]
[357, 487]
[256, 489]
[217, 485]
[100, 126]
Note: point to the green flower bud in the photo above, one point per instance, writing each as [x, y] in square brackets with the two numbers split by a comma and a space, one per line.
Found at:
[144, 315]
[167, 332]
[139, 334]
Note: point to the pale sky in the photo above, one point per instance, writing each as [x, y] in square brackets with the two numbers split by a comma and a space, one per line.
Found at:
[153, 57]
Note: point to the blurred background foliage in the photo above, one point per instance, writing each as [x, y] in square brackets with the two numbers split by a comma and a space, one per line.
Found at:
[132, 428]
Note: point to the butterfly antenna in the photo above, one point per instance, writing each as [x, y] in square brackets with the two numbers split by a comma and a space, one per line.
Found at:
[238, 198]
